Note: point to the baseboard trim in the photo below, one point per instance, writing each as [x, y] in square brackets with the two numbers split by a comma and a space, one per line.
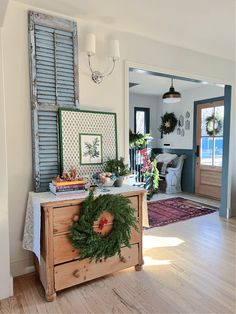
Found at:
[229, 213]
[22, 267]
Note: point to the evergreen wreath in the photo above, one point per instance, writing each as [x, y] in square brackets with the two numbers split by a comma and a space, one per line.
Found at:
[93, 245]
[214, 125]
[168, 123]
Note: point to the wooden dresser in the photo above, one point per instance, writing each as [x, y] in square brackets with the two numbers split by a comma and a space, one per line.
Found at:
[59, 266]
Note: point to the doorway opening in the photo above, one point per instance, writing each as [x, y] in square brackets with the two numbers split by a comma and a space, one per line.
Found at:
[206, 156]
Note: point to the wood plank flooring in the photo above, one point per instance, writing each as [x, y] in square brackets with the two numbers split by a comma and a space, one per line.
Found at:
[190, 267]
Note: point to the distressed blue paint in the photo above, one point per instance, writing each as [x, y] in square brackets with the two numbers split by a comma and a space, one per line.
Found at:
[48, 146]
[54, 66]
[188, 168]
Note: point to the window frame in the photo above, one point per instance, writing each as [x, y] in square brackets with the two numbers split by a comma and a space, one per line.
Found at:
[146, 111]
[213, 137]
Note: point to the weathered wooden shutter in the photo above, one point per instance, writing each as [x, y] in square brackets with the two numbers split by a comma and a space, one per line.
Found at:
[54, 83]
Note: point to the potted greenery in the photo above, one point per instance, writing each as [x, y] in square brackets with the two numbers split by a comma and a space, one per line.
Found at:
[118, 168]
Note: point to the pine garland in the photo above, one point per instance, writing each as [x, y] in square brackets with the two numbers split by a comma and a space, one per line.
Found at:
[93, 245]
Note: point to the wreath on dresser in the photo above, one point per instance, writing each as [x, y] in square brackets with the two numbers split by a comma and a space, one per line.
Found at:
[90, 239]
[214, 125]
[168, 123]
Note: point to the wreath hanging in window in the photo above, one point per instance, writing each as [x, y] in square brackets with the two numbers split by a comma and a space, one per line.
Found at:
[214, 125]
[168, 123]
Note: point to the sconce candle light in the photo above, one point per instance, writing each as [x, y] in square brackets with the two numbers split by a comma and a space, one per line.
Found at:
[114, 53]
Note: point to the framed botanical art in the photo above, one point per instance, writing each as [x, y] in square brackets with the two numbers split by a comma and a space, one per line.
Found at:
[87, 140]
[90, 149]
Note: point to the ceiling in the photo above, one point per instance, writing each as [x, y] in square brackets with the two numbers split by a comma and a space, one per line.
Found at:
[203, 25]
[157, 85]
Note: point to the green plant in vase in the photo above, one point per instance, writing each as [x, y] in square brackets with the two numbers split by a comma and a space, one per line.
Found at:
[118, 168]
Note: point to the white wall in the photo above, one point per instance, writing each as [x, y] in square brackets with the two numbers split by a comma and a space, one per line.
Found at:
[146, 101]
[5, 277]
[186, 104]
[110, 95]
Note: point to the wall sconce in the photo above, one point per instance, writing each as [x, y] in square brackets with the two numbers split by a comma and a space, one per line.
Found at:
[114, 53]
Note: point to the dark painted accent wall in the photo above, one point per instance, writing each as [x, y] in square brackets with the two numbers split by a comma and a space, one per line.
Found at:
[188, 184]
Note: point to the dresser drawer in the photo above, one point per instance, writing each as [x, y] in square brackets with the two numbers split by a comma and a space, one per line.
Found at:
[64, 250]
[70, 274]
[63, 217]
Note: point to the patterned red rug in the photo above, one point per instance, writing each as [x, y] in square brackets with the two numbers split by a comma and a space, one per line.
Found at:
[164, 212]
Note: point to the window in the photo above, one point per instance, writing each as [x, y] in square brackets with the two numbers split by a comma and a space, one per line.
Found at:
[141, 120]
[53, 49]
[212, 144]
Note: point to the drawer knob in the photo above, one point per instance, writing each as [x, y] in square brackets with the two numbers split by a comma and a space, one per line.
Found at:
[75, 218]
[76, 273]
[123, 259]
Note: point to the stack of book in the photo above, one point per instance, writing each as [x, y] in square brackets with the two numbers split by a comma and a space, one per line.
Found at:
[67, 187]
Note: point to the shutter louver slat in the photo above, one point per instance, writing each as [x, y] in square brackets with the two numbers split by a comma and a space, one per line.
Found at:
[45, 53]
[45, 29]
[63, 34]
[44, 75]
[44, 82]
[63, 59]
[64, 82]
[68, 89]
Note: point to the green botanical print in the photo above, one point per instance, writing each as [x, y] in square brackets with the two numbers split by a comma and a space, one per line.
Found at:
[91, 149]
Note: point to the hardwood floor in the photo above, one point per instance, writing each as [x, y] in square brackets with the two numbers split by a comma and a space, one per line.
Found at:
[189, 268]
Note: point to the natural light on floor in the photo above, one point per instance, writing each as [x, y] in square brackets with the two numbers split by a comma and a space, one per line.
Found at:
[151, 242]
[154, 241]
[148, 261]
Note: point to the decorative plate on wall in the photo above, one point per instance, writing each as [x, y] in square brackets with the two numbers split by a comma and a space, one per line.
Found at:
[187, 125]
[187, 115]
[87, 140]
[181, 120]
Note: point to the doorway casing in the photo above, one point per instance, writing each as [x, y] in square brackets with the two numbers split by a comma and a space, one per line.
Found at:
[224, 210]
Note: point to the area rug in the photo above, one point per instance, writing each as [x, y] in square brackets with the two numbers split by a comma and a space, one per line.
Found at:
[164, 212]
